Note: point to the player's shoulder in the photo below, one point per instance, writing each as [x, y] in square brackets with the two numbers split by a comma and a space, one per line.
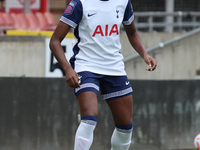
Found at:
[125, 2]
[73, 5]
[75, 2]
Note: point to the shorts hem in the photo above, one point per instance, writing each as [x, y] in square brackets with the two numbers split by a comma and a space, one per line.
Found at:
[117, 93]
[86, 90]
[112, 98]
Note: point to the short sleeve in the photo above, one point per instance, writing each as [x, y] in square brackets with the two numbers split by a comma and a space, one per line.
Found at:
[73, 13]
[128, 15]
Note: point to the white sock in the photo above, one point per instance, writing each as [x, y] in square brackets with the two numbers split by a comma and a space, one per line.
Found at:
[121, 140]
[84, 135]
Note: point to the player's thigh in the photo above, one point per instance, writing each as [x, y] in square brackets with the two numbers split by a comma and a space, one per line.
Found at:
[88, 103]
[87, 93]
[122, 110]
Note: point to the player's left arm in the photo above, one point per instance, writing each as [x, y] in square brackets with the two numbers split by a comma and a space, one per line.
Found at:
[136, 42]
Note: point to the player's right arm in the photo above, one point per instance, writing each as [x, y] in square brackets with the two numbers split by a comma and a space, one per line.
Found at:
[55, 45]
[70, 18]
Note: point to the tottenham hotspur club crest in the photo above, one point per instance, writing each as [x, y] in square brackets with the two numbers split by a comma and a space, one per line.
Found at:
[117, 11]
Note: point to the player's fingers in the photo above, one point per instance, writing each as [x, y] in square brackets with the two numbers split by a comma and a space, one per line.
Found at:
[73, 82]
[77, 81]
[76, 84]
[153, 65]
[69, 82]
[148, 61]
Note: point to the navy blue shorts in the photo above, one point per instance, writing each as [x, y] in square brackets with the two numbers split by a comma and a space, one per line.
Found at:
[112, 87]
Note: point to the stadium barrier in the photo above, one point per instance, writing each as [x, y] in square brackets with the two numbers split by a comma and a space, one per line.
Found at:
[42, 113]
[34, 33]
[30, 59]
[158, 21]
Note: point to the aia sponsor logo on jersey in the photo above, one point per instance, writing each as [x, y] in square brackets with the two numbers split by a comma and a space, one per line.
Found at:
[99, 31]
[70, 8]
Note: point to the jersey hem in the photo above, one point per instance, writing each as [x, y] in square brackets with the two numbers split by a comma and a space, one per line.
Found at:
[104, 73]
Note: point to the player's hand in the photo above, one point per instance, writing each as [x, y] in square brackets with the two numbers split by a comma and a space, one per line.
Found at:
[151, 62]
[72, 78]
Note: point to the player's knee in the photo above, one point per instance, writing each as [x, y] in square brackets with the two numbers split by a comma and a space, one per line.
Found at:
[89, 112]
[124, 120]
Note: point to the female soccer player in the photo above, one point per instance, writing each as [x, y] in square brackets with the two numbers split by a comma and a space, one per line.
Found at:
[98, 64]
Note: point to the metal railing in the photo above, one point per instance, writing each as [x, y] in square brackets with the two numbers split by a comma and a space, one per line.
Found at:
[179, 21]
[162, 44]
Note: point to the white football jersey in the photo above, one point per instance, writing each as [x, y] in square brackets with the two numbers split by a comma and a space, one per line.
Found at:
[96, 26]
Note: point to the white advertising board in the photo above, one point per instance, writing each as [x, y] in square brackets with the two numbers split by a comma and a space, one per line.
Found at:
[52, 68]
[17, 5]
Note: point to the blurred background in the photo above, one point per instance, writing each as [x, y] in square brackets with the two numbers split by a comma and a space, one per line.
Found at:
[38, 111]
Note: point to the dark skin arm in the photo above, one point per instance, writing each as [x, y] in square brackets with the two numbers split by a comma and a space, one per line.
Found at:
[55, 45]
[137, 44]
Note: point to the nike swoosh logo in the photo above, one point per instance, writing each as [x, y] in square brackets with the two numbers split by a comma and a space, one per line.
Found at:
[127, 83]
[89, 15]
